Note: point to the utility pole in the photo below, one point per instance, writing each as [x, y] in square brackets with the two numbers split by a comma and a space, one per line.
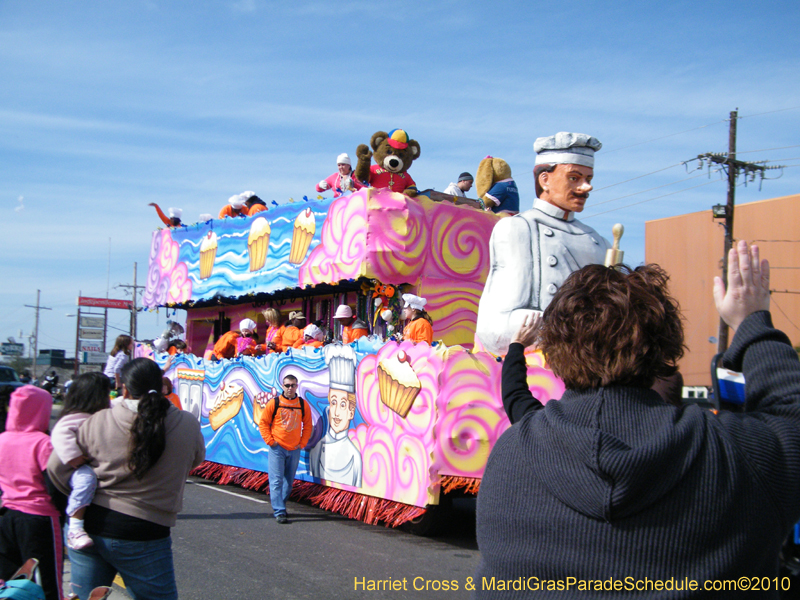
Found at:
[36, 331]
[733, 167]
[135, 289]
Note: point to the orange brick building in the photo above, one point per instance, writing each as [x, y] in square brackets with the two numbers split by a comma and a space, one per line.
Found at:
[690, 247]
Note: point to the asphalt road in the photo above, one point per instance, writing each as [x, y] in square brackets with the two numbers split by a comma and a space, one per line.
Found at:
[227, 545]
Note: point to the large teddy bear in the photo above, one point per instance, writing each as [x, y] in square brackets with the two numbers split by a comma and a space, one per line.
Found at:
[496, 187]
[393, 153]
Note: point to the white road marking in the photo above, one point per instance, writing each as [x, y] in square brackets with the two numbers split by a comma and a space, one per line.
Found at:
[218, 489]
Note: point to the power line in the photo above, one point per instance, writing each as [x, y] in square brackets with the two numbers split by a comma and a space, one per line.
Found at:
[663, 137]
[780, 309]
[639, 177]
[650, 199]
[648, 190]
[767, 149]
[769, 112]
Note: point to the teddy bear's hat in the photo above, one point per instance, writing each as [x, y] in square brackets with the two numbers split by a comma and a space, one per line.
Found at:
[398, 138]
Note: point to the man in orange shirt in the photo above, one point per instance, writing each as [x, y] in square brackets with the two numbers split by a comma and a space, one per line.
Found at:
[286, 428]
[352, 328]
[254, 203]
[293, 332]
[235, 208]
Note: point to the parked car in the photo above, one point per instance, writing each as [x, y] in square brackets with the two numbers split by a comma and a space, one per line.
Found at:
[9, 378]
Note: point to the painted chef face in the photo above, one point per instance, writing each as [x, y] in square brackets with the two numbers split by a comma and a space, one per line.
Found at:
[341, 411]
[567, 187]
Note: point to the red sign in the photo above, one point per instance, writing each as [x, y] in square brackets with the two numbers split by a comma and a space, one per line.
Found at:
[104, 303]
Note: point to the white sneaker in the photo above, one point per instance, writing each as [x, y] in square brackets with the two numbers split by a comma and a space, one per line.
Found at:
[79, 539]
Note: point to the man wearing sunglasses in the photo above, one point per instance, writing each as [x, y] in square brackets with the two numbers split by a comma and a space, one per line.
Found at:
[286, 428]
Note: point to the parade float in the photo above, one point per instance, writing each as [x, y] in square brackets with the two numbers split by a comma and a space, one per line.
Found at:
[420, 421]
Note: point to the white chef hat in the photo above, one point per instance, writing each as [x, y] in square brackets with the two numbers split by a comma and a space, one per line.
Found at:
[343, 159]
[566, 148]
[341, 361]
[236, 201]
[315, 332]
[246, 325]
[414, 302]
[175, 213]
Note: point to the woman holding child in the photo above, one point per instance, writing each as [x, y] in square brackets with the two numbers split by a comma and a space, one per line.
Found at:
[141, 450]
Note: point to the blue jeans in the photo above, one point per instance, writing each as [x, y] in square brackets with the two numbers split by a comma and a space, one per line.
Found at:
[146, 567]
[282, 466]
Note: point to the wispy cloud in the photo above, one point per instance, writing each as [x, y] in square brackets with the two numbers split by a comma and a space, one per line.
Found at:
[20, 206]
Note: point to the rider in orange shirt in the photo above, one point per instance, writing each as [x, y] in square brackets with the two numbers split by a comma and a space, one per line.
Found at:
[253, 202]
[235, 208]
[420, 328]
[352, 328]
[293, 333]
[313, 336]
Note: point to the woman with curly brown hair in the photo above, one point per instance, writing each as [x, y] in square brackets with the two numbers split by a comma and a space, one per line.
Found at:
[611, 485]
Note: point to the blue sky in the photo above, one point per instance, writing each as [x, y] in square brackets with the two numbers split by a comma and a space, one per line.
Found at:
[107, 106]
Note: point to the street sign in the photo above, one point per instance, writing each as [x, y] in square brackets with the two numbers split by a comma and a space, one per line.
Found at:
[104, 302]
[94, 358]
[90, 347]
[8, 349]
[96, 322]
[90, 334]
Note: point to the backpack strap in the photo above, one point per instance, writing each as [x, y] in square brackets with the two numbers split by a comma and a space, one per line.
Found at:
[276, 404]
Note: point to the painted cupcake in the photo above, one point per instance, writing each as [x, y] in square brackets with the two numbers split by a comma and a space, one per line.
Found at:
[258, 243]
[208, 253]
[304, 228]
[398, 383]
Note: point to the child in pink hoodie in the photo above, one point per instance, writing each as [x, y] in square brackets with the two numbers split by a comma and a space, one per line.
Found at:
[29, 524]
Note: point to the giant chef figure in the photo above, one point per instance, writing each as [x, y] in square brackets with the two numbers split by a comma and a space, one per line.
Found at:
[533, 252]
[335, 457]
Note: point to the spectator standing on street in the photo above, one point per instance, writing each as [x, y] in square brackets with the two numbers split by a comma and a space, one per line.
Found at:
[29, 520]
[143, 449]
[117, 359]
[87, 395]
[610, 481]
[461, 187]
[286, 428]
[169, 392]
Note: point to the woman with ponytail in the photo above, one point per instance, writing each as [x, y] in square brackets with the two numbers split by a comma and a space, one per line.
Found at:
[142, 450]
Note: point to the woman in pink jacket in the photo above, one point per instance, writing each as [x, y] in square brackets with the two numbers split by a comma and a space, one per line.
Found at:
[342, 181]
